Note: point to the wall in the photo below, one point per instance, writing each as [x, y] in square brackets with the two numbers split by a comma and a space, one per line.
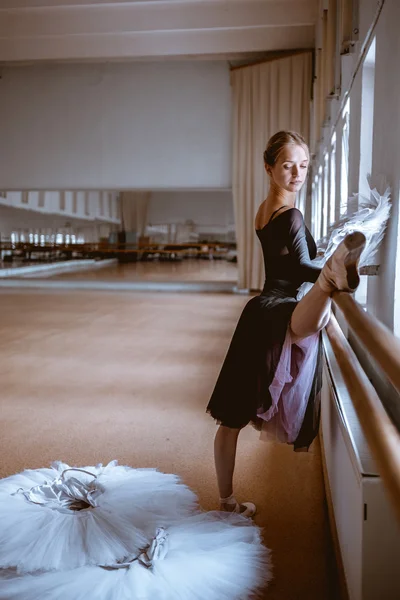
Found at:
[386, 160]
[374, 134]
[118, 125]
[383, 295]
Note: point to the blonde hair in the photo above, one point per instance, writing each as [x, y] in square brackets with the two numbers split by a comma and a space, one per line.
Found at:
[278, 141]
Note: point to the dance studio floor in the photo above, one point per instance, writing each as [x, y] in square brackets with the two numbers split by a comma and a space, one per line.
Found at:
[90, 376]
[185, 271]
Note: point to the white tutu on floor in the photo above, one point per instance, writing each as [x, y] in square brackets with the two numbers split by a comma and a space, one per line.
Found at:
[149, 540]
[43, 525]
[213, 556]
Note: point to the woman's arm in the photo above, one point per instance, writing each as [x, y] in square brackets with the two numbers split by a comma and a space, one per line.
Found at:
[298, 248]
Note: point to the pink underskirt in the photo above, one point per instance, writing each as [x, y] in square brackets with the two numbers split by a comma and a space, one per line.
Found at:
[290, 389]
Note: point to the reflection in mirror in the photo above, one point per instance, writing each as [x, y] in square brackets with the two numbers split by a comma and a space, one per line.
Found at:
[119, 237]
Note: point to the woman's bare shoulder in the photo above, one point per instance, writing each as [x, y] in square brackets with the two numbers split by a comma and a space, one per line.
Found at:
[260, 216]
[268, 215]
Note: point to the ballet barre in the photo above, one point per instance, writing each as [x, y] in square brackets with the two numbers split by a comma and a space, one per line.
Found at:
[381, 434]
[380, 342]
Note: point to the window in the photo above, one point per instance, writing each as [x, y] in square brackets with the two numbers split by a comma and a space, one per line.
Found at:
[75, 202]
[344, 170]
[397, 286]
[367, 119]
[87, 208]
[62, 200]
[332, 182]
[110, 206]
[325, 201]
[315, 207]
[366, 133]
[320, 200]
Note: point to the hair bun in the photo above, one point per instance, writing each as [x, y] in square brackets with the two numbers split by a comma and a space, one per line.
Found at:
[277, 142]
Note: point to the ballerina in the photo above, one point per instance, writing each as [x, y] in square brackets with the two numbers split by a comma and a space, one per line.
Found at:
[272, 373]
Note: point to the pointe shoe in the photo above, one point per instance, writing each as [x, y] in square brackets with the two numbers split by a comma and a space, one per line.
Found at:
[340, 270]
[246, 509]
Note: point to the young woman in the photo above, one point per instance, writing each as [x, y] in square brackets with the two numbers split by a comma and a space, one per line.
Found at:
[271, 375]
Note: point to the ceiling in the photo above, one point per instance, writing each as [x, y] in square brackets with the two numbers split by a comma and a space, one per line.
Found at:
[84, 30]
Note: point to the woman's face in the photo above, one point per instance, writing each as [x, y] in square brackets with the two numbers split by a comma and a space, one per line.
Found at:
[290, 170]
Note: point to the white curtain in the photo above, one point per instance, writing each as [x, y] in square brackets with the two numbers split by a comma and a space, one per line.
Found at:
[267, 98]
[134, 211]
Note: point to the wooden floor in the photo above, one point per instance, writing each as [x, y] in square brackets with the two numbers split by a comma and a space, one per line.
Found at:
[87, 377]
[185, 270]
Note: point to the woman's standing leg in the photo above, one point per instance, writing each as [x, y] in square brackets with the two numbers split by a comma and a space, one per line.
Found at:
[230, 403]
[225, 444]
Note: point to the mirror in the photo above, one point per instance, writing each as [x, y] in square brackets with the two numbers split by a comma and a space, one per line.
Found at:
[128, 238]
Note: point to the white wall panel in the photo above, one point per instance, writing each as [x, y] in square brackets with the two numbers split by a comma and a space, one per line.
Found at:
[98, 126]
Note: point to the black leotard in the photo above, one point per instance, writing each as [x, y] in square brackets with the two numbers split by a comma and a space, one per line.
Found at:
[288, 248]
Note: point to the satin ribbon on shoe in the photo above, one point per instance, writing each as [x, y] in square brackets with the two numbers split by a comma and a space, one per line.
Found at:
[64, 495]
[156, 550]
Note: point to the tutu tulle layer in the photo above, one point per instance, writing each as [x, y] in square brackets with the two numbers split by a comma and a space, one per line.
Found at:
[290, 389]
[209, 556]
[129, 505]
[117, 533]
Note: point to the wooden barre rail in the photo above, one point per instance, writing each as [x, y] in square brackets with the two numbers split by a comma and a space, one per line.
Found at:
[382, 436]
[380, 342]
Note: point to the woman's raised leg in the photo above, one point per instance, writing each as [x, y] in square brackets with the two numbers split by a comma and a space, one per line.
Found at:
[339, 273]
[311, 313]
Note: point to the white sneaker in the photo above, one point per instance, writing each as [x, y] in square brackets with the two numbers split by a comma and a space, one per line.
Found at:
[340, 271]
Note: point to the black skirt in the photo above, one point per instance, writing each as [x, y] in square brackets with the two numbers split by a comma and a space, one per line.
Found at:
[249, 367]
